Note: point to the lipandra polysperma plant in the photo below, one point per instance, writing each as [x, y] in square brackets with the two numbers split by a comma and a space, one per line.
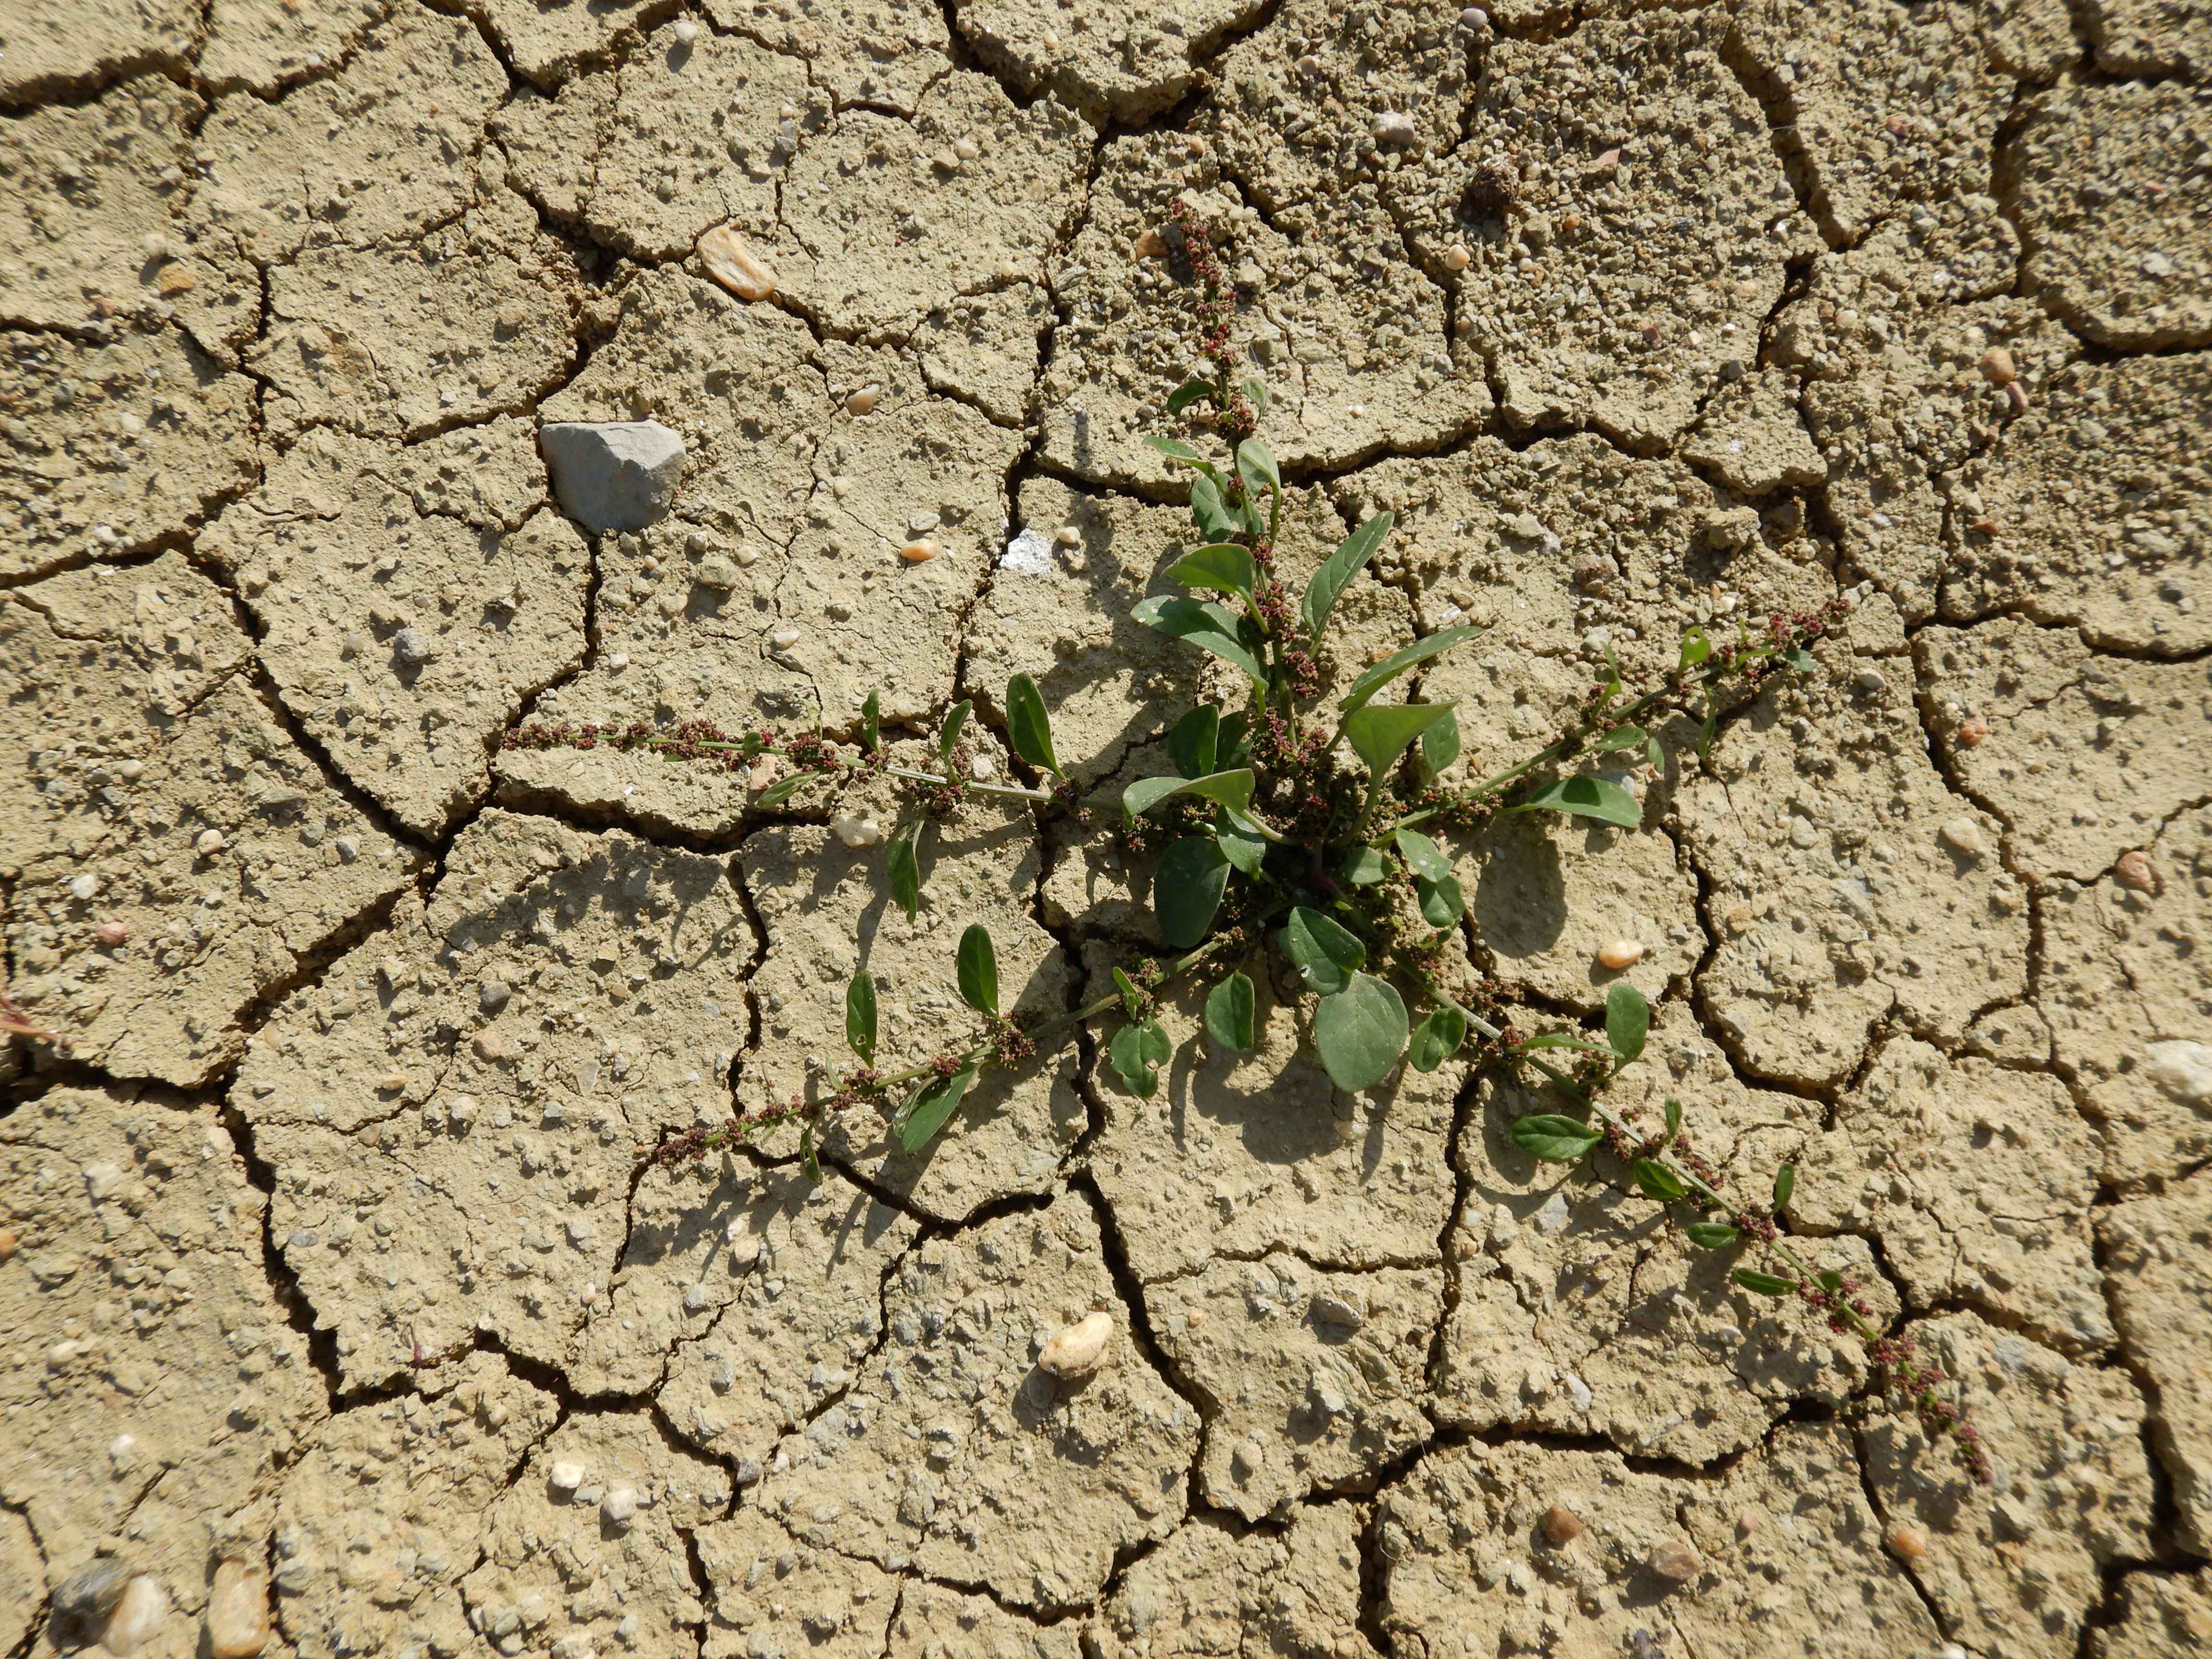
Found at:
[1300, 830]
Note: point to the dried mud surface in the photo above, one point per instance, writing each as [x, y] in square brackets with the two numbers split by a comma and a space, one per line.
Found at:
[337, 1303]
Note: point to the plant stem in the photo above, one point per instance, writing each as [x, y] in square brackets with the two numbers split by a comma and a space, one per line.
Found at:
[1010, 789]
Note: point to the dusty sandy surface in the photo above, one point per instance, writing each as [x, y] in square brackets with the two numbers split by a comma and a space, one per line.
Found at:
[336, 1306]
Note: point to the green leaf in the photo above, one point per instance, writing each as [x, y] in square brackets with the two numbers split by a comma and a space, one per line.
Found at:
[1222, 566]
[979, 969]
[1706, 730]
[1029, 725]
[872, 722]
[1239, 845]
[1360, 1032]
[932, 1107]
[1654, 757]
[1188, 393]
[1785, 1183]
[1338, 569]
[1441, 902]
[809, 1165]
[1696, 647]
[776, 794]
[1673, 1111]
[1136, 1053]
[1764, 1284]
[1231, 788]
[1382, 673]
[1325, 955]
[1233, 748]
[1379, 736]
[1255, 467]
[1182, 455]
[1363, 866]
[1204, 624]
[1439, 746]
[1191, 740]
[1210, 510]
[1131, 1000]
[949, 734]
[1799, 658]
[1657, 1180]
[1588, 798]
[1830, 1281]
[1423, 856]
[1622, 737]
[1627, 1020]
[1711, 1235]
[1552, 1139]
[1246, 825]
[904, 870]
[861, 1016]
[1437, 1038]
[1230, 1009]
[1256, 390]
[1187, 889]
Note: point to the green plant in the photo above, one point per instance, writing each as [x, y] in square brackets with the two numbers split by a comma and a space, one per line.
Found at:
[1296, 829]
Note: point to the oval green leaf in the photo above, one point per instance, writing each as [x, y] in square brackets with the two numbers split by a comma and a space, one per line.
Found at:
[1785, 1183]
[1203, 624]
[1231, 789]
[929, 1111]
[979, 969]
[1656, 1180]
[1325, 954]
[861, 1016]
[1627, 1020]
[1379, 736]
[776, 794]
[1209, 509]
[1436, 1039]
[1764, 1284]
[1363, 866]
[1423, 856]
[1255, 467]
[1441, 902]
[1231, 1009]
[1222, 566]
[1136, 1053]
[1554, 1139]
[1711, 1235]
[1337, 571]
[1360, 1032]
[1439, 745]
[1244, 850]
[955, 718]
[1029, 725]
[903, 870]
[1187, 889]
[1191, 741]
[872, 722]
[1586, 797]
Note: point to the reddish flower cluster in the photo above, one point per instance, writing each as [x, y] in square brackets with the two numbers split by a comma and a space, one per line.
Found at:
[1235, 419]
[1918, 1378]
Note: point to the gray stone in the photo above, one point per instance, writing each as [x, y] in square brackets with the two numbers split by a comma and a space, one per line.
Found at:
[612, 475]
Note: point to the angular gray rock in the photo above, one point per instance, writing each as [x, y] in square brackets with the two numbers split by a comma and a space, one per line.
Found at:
[612, 475]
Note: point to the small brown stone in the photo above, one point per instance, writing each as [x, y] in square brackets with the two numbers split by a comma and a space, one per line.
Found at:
[1562, 1525]
[2134, 871]
[1971, 731]
[1907, 1540]
[1673, 1559]
[113, 933]
[1151, 245]
[1997, 366]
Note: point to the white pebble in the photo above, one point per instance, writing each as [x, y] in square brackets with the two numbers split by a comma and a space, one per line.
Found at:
[565, 1476]
[83, 886]
[983, 768]
[864, 401]
[686, 31]
[1621, 954]
[1068, 535]
[144, 1605]
[1077, 1350]
[857, 831]
[784, 638]
[210, 844]
[619, 1504]
[1396, 127]
[1456, 257]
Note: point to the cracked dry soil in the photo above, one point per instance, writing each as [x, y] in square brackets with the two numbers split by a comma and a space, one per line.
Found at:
[336, 1306]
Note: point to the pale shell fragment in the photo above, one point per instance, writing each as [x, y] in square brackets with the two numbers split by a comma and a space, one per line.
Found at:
[144, 1605]
[1621, 954]
[919, 550]
[1077, 1350]
[1456, 257]
[734, 265]
[864, 401]
[857, 831]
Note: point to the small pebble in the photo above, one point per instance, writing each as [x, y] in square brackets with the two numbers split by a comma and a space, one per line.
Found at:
[2018, 394]
[565, 1476]
[734, 265]
[492, 995]
[113, 933]
[1562, 1525]
[238, 1611]
[1396, 127]
[413, 648]
[1996, 367]
[1673, 1558]
[144, 1605]
[1621, 954]
[1068, 535]
[718, 573]
[1962, 836]
[919, 551]
[2134, 871]
[210, 844]
[686, 32]
[1456, 257]
[864, 401]
[857, 831]
[619, 1504]
[1077, 1350]
[983, 768]
[1907, 1540]
[1151, 245]
[83, 886]
[784, 638]
[391, 1083]
[966, 148]
[131, 770]
[6, 1243]
[1971, 731]
[1750, 1521]
[1869, 679]
[82, 1601]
